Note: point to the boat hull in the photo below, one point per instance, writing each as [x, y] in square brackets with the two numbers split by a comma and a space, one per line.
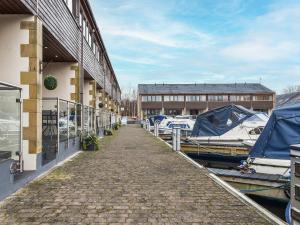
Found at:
[251, 187]
[264, 185]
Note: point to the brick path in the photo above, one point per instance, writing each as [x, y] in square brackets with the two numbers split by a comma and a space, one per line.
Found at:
[134, 179]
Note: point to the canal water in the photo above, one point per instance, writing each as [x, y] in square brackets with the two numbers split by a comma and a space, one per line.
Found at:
[274, 206]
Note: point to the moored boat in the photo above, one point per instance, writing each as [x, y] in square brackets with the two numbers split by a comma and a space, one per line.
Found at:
[223, 133]
[267, 169]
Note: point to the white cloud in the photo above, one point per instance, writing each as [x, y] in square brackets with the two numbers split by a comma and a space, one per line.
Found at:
[144, 61]
[271, 37]
[147, 42]
[258, 51]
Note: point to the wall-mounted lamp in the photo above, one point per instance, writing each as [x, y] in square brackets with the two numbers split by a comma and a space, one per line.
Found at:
[40, 66]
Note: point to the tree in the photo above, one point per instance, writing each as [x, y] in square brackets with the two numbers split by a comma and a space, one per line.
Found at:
[291, 89]
[129, 102]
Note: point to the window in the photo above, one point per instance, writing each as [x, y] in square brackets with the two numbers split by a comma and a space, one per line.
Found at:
[80, 19]
[237, 98]
[97, 52]
[154, 98]
[90, 39]
[218, 98]
[87, 31]
[149, 112]
[84, 28]
[180, 98]
[262, 98]
[174, 98]
[195, 98]
[173, 112]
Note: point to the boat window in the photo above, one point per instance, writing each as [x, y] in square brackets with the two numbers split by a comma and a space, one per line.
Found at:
[214, 120]
[182, 126]
[256, 131]
[235, 116]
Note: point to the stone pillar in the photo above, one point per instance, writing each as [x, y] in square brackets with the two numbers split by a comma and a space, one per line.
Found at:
[92, 93]
[32, 103]
[75, 81]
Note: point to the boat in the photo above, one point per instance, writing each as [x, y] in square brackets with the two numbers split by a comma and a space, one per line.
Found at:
[225, 134]
[266, 172]
[186, 126]
[155, 119]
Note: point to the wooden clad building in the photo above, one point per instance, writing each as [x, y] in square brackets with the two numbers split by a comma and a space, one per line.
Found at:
[60, 39]
[193, 99]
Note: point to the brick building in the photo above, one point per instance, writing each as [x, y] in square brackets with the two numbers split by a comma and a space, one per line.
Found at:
[193, 99]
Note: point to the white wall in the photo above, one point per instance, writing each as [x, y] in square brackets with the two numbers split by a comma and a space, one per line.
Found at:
[11, 37]
[86, 96]
[11, 64]
[63, 73]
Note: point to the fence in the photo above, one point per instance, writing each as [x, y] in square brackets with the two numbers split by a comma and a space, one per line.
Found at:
[62, 122]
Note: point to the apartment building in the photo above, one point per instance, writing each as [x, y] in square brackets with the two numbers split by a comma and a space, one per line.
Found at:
[39, 126]
[193, 99]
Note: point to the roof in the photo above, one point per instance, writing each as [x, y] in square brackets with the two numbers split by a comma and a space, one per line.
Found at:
[287, 99]
[233, 88]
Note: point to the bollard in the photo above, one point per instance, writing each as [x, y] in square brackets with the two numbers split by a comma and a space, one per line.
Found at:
[156, 126]
[148, 125]
[295, 184]
[176, 138]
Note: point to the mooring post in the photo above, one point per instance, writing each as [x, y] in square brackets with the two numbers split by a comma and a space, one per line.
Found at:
[156, 125]
[295, 185]
[148, 125]
[176, 138]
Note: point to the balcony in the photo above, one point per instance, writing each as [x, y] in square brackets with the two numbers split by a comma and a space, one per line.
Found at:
[92, 65]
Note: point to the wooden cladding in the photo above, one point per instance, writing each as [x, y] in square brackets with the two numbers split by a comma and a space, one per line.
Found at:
[91, 64]
[63, 28]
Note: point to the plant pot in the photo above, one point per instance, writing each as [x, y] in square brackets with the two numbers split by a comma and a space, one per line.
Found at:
[91, 148]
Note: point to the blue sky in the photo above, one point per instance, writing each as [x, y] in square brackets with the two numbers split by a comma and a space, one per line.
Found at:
[203, 41]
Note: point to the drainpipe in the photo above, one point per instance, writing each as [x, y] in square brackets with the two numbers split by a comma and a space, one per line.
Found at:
[81, 83]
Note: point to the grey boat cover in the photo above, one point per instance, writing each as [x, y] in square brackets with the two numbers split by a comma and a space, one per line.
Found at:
[220, 120]
[281, 131]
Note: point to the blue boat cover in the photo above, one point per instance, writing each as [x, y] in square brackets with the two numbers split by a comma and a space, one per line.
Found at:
[281, 131]
[220, 120]
[157, 118]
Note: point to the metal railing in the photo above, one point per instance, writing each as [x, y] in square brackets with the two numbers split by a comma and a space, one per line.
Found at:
[62, 122]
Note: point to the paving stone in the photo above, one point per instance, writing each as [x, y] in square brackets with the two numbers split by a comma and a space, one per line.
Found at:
[133, 179]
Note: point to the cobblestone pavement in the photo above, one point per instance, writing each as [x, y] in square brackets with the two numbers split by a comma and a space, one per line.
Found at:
[134, 179]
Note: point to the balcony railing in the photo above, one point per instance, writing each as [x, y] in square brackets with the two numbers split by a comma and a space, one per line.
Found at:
[63, 121]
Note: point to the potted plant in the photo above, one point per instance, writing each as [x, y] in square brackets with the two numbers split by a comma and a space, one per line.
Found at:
[90, 143]
[116, 126]
[50, 82]
[107, 132]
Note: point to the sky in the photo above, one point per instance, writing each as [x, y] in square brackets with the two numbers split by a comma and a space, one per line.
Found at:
[202, 41]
